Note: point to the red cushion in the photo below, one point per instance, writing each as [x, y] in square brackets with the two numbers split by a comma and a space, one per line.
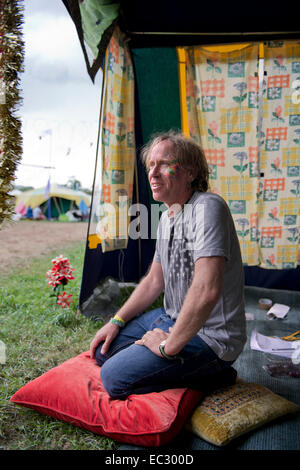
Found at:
[73, 392]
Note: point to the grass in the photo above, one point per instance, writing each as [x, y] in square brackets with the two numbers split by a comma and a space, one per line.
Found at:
[39, 335]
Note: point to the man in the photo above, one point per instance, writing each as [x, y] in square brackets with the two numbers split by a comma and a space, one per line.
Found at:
[197, 263]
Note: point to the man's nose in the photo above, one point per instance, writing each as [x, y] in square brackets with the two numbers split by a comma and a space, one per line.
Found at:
[154, 170]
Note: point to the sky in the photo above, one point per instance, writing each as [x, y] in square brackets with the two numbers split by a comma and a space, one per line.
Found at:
[61, 104]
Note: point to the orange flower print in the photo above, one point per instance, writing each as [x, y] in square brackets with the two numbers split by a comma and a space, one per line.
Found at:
[278, 62]
[277, 114]
[212, 132]
[271, 260]
[273, 214]
[275, 166]
[278, 111]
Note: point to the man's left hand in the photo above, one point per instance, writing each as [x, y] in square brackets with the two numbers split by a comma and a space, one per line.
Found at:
[152, 340]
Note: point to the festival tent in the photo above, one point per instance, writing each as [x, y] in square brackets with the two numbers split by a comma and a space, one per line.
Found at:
[61, 198]
[218, 74]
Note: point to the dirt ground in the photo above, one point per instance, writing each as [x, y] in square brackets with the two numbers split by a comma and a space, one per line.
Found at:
[22, 240]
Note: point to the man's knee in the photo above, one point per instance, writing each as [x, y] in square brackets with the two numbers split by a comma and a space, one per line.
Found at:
[113, 384]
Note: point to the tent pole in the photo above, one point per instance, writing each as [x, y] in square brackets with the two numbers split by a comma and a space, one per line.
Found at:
[225, 33]
[57, 206]
[49, 208]
[60, 205]
[138, 203]
[98, 140]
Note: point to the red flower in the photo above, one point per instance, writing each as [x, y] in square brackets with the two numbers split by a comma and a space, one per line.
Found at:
[53, 278]
[64, 300]
[58, 276]
[61, 271]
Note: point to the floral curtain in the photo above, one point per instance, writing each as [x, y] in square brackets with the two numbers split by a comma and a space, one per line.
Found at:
[279, 195]
[222, 107]
[115, 168]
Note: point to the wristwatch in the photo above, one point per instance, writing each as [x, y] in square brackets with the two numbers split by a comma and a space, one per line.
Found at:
[167, 356]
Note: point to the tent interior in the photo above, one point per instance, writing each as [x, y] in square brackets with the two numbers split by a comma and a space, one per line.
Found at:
[154, 32]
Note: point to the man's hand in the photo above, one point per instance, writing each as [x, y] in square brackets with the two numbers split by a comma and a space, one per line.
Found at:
[152, 340]
[107, 334]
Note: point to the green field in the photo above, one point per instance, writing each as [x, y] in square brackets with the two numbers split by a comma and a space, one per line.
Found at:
[39, 335]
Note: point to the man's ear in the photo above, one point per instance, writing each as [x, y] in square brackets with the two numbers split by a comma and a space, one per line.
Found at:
[191, 176]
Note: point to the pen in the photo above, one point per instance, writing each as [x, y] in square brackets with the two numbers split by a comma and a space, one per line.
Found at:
[283, 349]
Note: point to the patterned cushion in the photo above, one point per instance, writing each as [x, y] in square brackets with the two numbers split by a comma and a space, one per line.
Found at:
[235, 410]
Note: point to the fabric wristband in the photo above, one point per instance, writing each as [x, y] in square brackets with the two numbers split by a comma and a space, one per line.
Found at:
[116, 320]
[166, 356]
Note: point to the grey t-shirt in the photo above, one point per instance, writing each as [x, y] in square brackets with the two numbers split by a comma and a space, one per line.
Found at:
[204, 228]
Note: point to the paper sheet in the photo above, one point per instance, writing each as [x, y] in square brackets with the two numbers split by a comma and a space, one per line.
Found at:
[273, 345]
[249, 316]
[277, 311]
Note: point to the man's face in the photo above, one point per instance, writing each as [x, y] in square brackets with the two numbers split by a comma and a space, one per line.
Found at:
[169, 182]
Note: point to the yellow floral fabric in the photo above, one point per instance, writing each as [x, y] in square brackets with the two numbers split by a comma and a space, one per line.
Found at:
[115, 169]
[279, 195]
[255, 168]
[222, 107]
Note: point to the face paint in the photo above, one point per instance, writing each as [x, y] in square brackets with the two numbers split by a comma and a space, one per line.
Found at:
[172, 167]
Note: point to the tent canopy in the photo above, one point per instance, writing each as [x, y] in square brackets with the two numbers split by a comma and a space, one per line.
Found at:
[170, 23]
[36, 197]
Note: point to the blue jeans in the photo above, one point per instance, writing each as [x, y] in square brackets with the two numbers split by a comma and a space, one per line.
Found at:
[128, 368]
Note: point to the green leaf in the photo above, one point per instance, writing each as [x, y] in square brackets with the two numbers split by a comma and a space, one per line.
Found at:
[218, 140]
[243, 97]
[236, 98]
[210, 133]
[237, 168]
[244, 167]
[218, 69]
